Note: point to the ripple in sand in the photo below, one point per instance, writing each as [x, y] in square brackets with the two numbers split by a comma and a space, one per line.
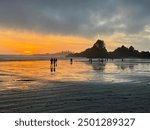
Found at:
[3, 74]
[25, 80]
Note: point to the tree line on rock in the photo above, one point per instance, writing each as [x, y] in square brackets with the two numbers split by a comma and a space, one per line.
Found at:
[99, 51]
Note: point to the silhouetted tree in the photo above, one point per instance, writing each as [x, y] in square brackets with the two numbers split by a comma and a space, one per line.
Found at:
[131, 49]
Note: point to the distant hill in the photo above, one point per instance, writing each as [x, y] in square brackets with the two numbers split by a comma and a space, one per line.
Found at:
[45, 56]
[58, 54]
[99, 51]
[63, 53]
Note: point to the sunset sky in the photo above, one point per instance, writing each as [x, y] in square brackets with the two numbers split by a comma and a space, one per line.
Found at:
[49, 26]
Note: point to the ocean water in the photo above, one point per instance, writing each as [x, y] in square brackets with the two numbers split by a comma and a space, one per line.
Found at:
[38, 86]
[27, 74]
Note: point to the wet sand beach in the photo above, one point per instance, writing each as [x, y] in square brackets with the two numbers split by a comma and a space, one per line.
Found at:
[111, 87]
[78, 97]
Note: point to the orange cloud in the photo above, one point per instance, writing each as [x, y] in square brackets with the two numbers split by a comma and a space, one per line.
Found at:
[23, 42]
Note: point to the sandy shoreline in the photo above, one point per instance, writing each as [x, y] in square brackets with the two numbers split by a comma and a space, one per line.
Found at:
[54, 96]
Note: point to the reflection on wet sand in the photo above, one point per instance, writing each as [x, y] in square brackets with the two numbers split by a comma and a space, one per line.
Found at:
[99, 67]
[79, 87]
[30, 73]
[102, 66]
[125, 66]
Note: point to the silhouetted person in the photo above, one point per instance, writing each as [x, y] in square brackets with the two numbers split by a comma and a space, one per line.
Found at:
[55, 61]
[71, 61]
[51, 60]
[122, 59]
[90, 60]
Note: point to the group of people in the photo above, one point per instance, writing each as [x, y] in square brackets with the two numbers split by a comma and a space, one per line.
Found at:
[53, 64]
[53, 61]
[103, 60]
[100, 60]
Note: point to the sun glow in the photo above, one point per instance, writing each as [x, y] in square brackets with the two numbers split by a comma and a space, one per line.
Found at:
[28, 52]
[24, 42]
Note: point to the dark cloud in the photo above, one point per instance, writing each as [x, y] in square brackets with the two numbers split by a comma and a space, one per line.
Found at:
[76, 17]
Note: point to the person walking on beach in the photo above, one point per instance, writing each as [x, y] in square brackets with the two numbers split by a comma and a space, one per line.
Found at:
[55, 61]
[51, 60]
[71, 61]
[90, 60]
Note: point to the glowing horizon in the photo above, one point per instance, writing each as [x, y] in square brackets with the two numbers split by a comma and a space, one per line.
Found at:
[25, 42]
